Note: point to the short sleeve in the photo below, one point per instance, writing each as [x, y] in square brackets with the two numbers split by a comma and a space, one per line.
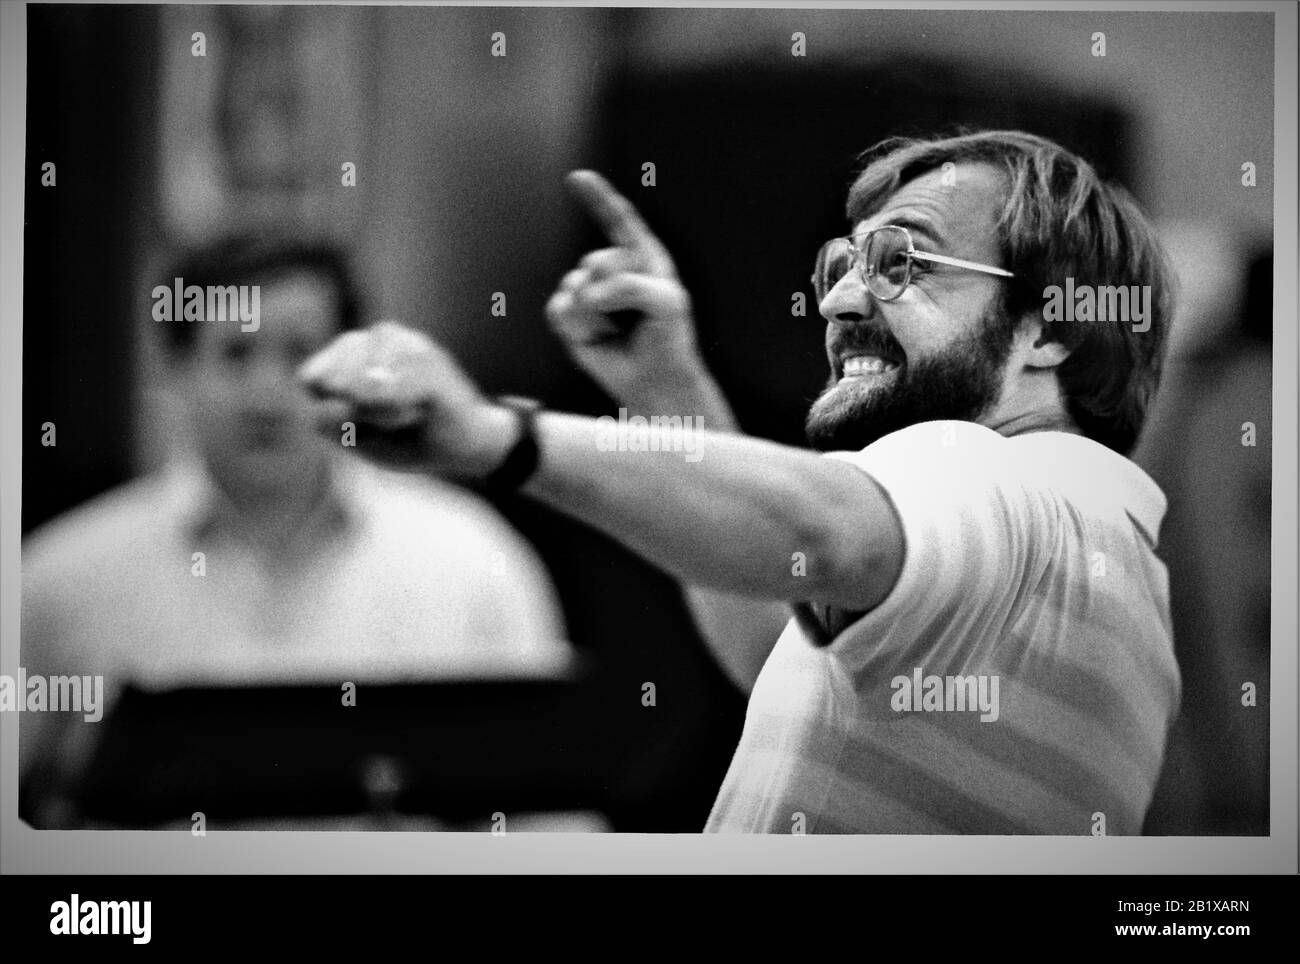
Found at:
[977, 536]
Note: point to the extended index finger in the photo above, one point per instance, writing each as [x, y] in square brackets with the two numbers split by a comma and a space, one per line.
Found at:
[615, 214]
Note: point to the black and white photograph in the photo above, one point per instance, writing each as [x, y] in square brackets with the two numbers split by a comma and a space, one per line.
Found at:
[690, 421]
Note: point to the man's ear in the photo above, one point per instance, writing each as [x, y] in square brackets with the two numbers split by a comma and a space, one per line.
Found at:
[1042, 350]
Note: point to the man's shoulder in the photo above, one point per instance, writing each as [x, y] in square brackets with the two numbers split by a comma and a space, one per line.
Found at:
[1047, 456]
[1092, 477]
[960, 458]
[959, 440]
[935, 455]
[106, 524]
[96, 550]
[418, 510]
[422, 529]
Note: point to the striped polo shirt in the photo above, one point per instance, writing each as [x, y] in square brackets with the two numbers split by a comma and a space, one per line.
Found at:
[1019, 677]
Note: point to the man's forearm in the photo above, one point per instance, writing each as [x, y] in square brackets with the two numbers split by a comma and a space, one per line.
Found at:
[691, 391]
[744, 516]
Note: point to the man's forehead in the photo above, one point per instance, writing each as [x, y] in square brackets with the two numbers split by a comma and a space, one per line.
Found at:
[293, 303]
[954, 206]
[299, 287]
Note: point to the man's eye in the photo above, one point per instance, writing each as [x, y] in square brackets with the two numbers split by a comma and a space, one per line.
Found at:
[893, 266]
[236, 351]
[920, 266]
[299, 351]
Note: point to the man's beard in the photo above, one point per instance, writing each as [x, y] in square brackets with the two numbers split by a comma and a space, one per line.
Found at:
[962, 383]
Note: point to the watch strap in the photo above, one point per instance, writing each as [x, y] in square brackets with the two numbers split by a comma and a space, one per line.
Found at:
[523, 458]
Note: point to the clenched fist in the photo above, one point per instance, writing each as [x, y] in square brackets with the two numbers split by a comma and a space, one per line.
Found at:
[412, 405]
[622, 313]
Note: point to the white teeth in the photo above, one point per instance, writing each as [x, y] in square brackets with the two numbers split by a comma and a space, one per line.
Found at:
[865, 365]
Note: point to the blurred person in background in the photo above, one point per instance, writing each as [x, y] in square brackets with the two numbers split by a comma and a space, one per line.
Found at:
[973, 517]
[259, 555]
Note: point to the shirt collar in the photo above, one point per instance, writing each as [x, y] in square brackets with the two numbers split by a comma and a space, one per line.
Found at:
[203, 509]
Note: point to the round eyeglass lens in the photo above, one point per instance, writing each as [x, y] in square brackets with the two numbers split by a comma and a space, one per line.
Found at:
[888, 263]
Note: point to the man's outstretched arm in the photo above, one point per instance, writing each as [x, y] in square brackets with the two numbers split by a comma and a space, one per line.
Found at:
[735, 520]
[731, 520]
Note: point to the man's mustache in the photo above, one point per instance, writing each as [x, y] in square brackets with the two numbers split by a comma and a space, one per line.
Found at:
[867, 341]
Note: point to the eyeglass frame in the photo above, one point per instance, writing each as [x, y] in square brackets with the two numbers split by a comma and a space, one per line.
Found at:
[859, 260]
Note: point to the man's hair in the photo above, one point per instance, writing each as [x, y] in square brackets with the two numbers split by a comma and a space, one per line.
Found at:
[1059, 220]
[258, 260]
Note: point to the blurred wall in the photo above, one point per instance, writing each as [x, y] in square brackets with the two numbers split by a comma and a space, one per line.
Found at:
[1197, 85]
[90, 89]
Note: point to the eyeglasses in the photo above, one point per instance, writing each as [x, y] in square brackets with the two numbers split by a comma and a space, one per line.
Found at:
[884, 260]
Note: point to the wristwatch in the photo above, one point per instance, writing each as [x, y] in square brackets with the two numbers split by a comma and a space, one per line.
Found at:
[522, 460]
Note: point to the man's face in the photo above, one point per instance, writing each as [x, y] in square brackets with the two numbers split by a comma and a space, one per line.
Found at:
[253, 422]
[940, 350]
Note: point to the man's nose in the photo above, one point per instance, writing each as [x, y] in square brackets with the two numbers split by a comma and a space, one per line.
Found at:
[849, 301]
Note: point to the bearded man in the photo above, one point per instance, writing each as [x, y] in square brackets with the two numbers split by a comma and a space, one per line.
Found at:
[981, 640]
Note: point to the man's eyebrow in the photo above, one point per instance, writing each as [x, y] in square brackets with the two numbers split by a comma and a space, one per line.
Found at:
[916, 225]
[919, 226]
